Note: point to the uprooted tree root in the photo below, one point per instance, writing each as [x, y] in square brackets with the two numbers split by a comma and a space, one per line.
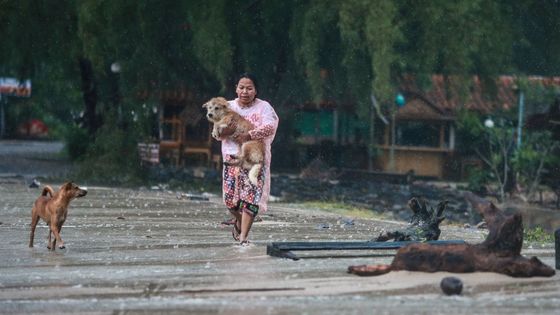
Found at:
[423, 226]
[500, 252]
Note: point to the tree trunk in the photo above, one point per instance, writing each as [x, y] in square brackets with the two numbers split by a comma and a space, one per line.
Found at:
[500, 252]
[89, 91]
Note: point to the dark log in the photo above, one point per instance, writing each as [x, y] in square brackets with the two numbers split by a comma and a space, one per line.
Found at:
[423, 226]
[500, 252]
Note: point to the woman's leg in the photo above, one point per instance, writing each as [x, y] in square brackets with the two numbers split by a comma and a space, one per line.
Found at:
[246, 223]
[249, 197]
[236, 226]
[230, 188]
[248, 213]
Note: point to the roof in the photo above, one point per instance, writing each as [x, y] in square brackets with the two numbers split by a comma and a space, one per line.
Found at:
[447, 94]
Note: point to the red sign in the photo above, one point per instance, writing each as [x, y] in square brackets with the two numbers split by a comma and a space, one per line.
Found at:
[13, 87]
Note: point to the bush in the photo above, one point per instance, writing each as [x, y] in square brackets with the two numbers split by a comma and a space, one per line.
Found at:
[535, 156]
[537, 234]
[77, 141]
[478, 179]
[112, 158]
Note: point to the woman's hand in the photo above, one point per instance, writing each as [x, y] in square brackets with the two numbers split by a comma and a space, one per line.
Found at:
[242, 138]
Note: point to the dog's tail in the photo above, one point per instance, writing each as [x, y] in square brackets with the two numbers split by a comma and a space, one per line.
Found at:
[254, 173]
[369, 270]
[47, 190]
[234, 160]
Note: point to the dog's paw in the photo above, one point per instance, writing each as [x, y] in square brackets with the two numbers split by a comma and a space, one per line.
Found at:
[61, 246]
[217, 132]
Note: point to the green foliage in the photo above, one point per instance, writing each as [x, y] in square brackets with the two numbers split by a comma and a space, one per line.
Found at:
[537, 234]
[470, 130]
[456, 37]
[370, 32]
[477, 179]
[535, 147]
[211, 40]
[494, 146]
[535, 50]
[317, 30]
[40, 40]
[112, 157]
[77, 141]
[533, 158]
[302, 50]
[344, 209]
[536, 94]
[36, 34]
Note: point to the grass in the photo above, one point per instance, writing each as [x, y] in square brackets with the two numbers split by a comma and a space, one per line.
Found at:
[344, 209]
[538, 234]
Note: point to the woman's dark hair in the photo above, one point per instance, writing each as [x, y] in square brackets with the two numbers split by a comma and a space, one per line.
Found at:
[249, 76]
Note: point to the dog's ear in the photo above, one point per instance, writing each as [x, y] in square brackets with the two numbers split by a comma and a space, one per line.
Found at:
[223, 101]
[69, 185]
[66, 185]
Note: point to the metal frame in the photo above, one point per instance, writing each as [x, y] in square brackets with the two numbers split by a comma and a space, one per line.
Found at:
[283, 249]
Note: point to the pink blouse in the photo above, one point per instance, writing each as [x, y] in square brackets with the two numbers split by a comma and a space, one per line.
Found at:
[265, 120]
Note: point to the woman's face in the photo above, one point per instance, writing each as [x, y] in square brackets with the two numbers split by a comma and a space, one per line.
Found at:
[246, 91]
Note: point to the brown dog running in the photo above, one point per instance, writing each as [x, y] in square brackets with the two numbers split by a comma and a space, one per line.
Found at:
[229, 124]
[53, 209]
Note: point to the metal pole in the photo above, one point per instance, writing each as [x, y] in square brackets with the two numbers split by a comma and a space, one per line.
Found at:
[371, 137]
[392, 148]
[557, 247]
[520, 118]
[2, 119]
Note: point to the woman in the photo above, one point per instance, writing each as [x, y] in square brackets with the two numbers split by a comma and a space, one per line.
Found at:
[243, 199]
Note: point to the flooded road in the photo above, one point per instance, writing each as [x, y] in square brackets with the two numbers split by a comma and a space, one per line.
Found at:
[144, 251]
[29, 159]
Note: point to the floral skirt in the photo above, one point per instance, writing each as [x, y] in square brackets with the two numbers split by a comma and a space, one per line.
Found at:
[238, 192]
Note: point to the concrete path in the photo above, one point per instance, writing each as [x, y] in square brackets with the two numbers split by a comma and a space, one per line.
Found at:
[145, 251]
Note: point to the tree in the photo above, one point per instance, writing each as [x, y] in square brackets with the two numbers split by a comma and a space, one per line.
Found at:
[38, 37]
[302, 50]
[532, 159]
[494, 145]
[535, 27]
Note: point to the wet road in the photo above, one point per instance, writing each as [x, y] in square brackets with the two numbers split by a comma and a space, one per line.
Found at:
[30, 159]
[143, 251]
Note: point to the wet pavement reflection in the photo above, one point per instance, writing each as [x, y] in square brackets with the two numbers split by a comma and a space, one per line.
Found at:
[147, 251]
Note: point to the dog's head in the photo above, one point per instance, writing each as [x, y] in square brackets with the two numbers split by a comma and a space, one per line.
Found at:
[71, 190]
[216, 108]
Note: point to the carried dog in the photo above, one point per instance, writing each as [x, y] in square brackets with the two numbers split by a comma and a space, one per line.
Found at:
[53, 209]
[229, 124]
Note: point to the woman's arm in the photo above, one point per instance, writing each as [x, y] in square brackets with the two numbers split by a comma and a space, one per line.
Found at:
[268, 126]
